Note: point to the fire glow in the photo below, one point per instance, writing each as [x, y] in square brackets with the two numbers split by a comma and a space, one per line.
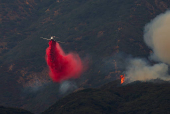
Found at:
[122, 77]
[62, 66]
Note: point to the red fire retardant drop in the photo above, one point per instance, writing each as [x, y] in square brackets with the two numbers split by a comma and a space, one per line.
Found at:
[62, 66]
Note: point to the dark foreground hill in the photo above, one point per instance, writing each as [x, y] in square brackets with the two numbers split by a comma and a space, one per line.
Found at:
[112, 98]
[96, 29]
[134, 98]
[5, 110]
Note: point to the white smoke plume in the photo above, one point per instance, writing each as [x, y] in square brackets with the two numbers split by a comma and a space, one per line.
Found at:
[157, 37]
[139, 69]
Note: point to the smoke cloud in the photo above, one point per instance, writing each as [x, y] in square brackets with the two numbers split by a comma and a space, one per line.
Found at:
[140, 69]
[157, 37]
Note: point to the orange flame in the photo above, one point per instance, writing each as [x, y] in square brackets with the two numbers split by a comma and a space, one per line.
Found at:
[122, 77]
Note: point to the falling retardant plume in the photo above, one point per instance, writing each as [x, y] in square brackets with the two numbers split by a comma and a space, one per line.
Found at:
[157, 37]
[62, 66]
[141, 70]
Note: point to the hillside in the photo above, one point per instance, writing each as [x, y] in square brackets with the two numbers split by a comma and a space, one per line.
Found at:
[137, 97]
[102, 32]
[134, 98]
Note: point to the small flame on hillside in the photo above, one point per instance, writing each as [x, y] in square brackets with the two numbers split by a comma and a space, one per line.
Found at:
[122, 77]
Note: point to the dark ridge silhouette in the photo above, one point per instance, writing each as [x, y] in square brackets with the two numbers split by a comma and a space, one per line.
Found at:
[134, 98]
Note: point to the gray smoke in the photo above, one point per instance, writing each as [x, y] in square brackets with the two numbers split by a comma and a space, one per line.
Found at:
[67, 86]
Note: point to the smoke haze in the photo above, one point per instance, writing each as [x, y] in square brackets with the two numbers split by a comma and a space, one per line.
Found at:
[67, 86]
